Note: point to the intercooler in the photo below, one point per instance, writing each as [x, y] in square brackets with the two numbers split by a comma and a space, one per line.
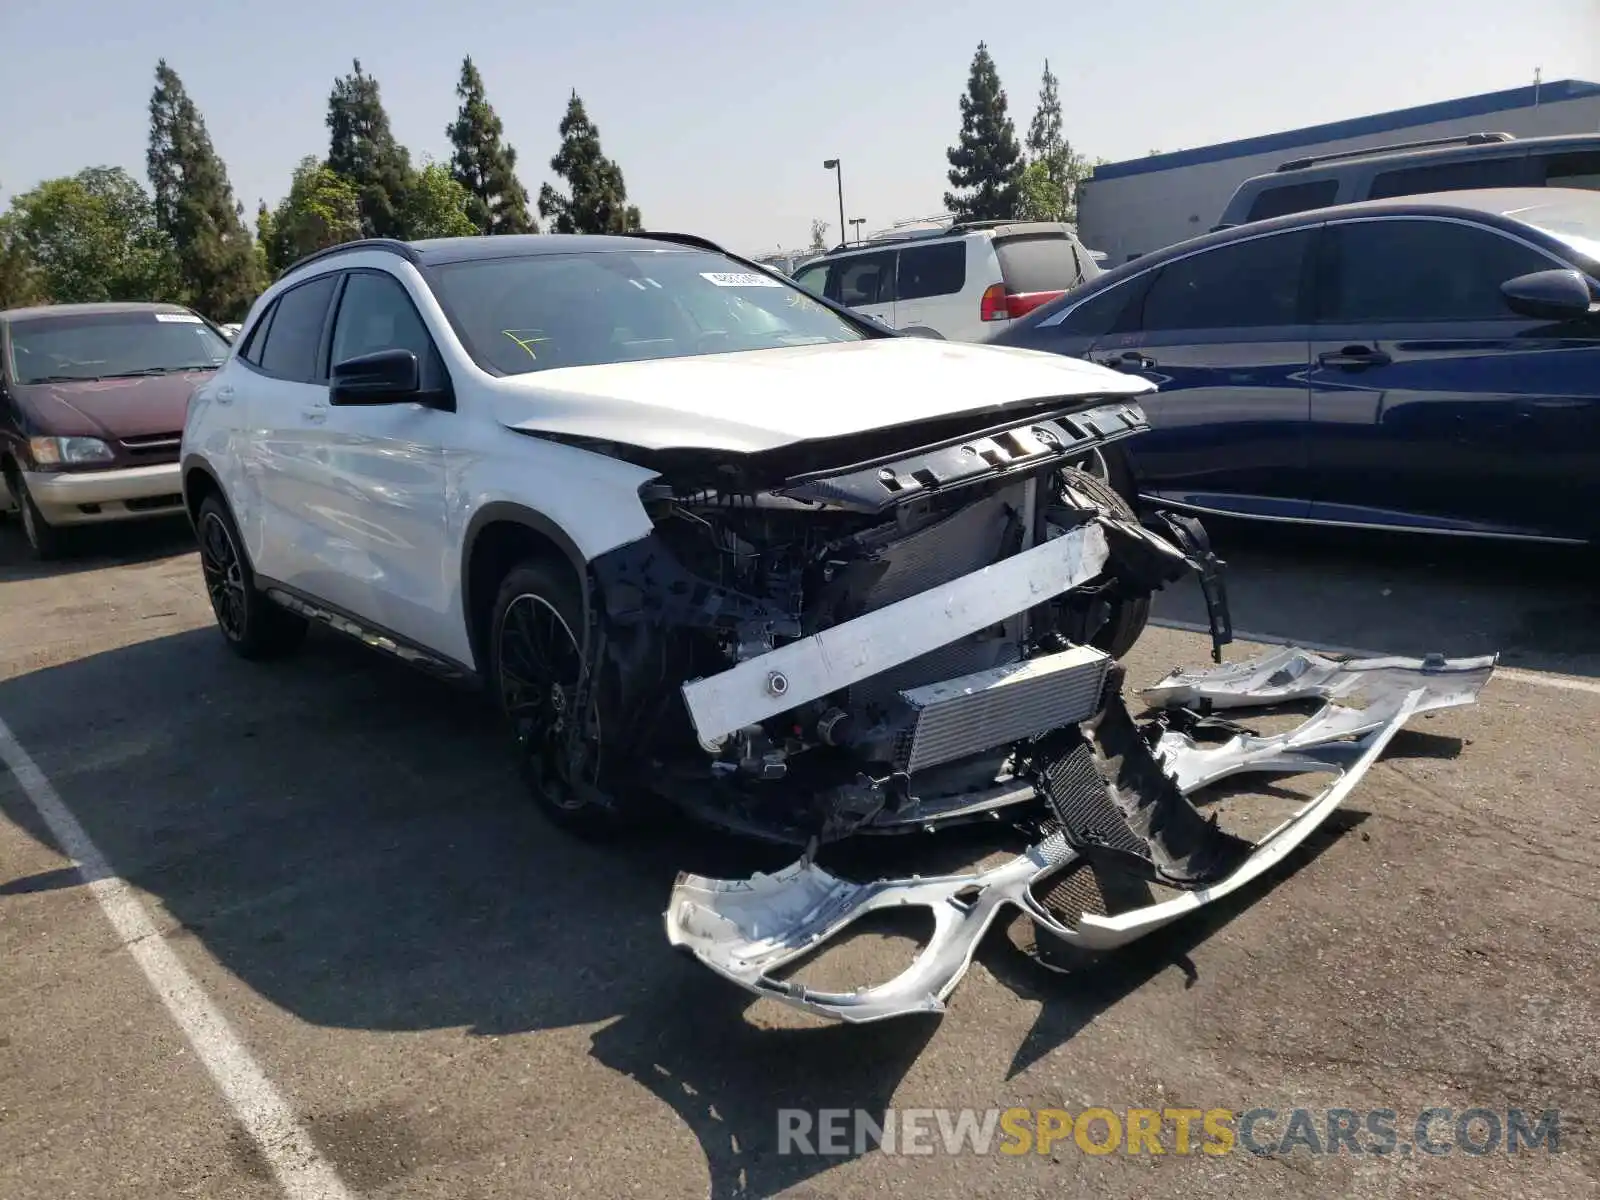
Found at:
[958, 717]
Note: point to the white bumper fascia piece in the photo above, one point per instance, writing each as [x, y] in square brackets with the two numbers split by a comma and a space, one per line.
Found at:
[846, 654]
[747, 929]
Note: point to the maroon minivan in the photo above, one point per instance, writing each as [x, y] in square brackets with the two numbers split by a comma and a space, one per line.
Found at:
[92, 404]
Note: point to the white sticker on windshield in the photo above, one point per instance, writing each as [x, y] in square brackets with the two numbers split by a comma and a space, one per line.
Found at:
[739, 279]
[182, 318]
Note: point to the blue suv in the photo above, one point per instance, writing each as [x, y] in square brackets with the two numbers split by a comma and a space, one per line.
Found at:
[1427, 363]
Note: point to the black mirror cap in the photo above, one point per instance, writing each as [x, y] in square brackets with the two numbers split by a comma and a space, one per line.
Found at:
[382, 377]
[1560, 294]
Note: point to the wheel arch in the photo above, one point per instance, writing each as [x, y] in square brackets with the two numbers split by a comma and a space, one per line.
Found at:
[501, 534]
[197, 481]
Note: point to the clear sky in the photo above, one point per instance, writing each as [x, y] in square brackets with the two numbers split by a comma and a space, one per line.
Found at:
[720, 114]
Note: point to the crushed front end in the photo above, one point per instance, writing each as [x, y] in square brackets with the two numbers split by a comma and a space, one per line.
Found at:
[805, 652]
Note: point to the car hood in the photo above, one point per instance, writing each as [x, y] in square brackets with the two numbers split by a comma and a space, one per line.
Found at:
[109, 408]
[760, 400]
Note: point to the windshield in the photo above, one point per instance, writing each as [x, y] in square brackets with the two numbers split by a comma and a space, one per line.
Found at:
[539, 312]
[1574, 220]
[78, 346]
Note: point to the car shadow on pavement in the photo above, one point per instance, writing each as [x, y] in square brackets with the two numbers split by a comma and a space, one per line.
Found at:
[1537, 606]
[346, 837]
[94, 547]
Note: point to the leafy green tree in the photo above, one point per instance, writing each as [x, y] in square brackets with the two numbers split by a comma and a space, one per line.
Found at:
[266, 231]
[597, 199]
[439, 206]
[362, 149]
[20, 281]
[93, 236]
[194, 205]
[483, 164]
[986, 163]
[819, 234]
[322, 209]
[1050, 180]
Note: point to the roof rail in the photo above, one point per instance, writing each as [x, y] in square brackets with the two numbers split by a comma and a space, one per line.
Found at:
[1465, 139]
[392, 245]
[683, 239]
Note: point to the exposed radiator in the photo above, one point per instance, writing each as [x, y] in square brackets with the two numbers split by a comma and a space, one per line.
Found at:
[958, 717]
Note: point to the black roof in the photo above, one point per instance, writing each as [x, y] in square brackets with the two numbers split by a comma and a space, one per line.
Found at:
[103, 308]
[435, 251]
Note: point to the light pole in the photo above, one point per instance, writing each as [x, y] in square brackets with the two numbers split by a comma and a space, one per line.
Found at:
[858, 222]
[832, 164]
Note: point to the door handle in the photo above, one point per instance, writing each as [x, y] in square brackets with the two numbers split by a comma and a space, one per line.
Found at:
[1354, 356]
[316, 414]
[1129, 360]
[224, 395]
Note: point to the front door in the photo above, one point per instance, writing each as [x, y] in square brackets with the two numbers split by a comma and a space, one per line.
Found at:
[1432, 403]
[375, 523]
[865, 282]
[1223, 334]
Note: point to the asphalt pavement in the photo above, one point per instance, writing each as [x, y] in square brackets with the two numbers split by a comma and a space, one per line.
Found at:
[449, 999]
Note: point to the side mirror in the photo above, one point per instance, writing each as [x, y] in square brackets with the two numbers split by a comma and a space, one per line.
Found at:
[382, 377]
[1555, 295]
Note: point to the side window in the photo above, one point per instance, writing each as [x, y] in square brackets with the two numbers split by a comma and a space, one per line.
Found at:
[375, 313]
[1249, 284]
[1293, 198]
[257, 339]
[296, 333]
[862, 279]
[1419, 271]
[937, 270]
[1579, 169]
[1098, 315]
[1450, 177]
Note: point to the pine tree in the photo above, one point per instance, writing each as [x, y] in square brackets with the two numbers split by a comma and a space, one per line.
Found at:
[986, 164]
[598, 199]
[194, 205]
[483, 164]
[1053, 169]
[362, 149]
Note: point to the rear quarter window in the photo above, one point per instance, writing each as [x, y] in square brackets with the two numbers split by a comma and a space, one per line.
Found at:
[1292, 198]
[1450, 177]
[1038, 263]
[1578, 169]
[937, 270]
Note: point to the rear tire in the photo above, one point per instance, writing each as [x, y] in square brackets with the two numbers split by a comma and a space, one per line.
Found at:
[1128, 618]
[254, 627]
[535, 664]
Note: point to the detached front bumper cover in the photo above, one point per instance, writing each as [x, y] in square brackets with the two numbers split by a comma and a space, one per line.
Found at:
[745, 930]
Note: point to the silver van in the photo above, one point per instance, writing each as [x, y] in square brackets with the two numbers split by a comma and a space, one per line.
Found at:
[1473, 160]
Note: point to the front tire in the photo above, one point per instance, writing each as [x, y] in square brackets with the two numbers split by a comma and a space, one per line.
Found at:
[44, 539]
[537, 665]
[254, 627]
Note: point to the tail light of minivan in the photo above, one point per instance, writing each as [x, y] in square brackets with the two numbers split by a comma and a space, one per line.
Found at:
[998, 304]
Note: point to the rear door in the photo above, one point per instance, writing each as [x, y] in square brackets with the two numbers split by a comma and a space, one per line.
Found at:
[1432, 403]
[1224, 335]
[1036, 268]
[285, 382]
[929, 281]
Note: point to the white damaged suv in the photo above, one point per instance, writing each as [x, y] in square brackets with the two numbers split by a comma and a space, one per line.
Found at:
[709, 539]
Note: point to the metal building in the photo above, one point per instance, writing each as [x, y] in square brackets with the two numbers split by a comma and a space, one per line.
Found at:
[1133, 207]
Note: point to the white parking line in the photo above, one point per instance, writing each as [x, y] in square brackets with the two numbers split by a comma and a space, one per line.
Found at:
[303, 1173]
[1565, 683]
